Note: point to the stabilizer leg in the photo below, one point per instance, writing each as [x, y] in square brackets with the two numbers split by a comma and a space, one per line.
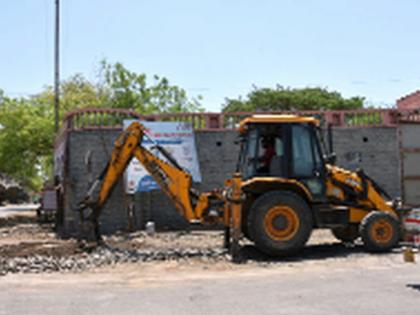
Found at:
[226, 242]
[236, 207]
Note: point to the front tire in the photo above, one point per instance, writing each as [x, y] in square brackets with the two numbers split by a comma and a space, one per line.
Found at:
[380, 231]
[280, 223]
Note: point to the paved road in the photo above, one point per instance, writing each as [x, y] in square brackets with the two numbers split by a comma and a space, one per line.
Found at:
[356, 290]
[16, 209]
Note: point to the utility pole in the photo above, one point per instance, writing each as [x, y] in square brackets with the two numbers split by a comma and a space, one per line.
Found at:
[57, 66]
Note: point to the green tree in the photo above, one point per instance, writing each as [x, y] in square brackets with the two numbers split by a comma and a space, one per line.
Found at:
[75, 92]
[27, 134]
[25, 140]
[122, 88]
[280, 98]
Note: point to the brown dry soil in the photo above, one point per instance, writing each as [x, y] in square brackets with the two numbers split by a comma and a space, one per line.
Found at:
[318, 281]
[23, 236]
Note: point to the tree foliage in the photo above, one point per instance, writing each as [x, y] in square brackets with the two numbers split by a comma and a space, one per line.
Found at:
[25, 140]
[280, 98]
[27, 132]
[75, 92]
[122, 88]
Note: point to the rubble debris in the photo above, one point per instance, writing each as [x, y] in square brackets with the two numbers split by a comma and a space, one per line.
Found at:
[29, 247]
[103, 256]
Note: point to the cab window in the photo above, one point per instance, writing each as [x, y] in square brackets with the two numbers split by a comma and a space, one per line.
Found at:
[302, 148]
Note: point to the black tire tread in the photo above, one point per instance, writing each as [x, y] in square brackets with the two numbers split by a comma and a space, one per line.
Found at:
[261, 241]
[370, 244]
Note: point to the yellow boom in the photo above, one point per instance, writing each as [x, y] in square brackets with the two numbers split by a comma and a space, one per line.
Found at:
[212, 207]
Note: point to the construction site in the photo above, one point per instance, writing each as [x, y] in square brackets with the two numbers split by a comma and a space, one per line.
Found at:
[36, 242]
[276, 170]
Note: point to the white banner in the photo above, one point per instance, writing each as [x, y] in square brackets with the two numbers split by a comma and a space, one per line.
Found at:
[178, 139]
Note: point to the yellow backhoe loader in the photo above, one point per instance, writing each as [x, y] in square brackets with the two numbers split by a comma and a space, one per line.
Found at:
[285, 185]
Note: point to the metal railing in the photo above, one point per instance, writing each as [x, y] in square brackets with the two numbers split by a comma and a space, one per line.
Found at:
[409, 116]
[98, 118]
[113, 118]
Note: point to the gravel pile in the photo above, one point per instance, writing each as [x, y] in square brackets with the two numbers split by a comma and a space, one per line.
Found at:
[102, 256]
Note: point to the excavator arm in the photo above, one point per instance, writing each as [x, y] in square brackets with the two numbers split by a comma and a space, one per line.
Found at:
[169, 175]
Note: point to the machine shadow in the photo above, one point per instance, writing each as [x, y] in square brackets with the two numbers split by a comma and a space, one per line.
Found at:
[413, 286]
[310, 252]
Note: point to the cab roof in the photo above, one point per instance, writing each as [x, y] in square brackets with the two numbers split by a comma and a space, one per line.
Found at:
[276, 119]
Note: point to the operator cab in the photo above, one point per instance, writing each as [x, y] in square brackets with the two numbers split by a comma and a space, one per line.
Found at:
[283, 146]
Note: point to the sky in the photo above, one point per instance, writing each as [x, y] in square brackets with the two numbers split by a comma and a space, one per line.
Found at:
[220, 49]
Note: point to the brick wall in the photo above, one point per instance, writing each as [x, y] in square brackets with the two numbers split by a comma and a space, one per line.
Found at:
[374, 149]
[410, 101]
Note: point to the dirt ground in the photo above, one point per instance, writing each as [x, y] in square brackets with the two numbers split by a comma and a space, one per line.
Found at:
[23, 236]
[317, 281]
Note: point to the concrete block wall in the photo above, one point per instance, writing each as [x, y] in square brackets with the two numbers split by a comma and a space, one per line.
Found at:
[83, 148]
[217, 154]
[373, 149]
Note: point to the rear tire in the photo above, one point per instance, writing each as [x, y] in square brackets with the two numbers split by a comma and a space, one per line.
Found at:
[380, 231]
[280, 223]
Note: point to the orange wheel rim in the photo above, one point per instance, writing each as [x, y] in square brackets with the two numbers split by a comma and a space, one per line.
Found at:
[381, 231]
[281, 223]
